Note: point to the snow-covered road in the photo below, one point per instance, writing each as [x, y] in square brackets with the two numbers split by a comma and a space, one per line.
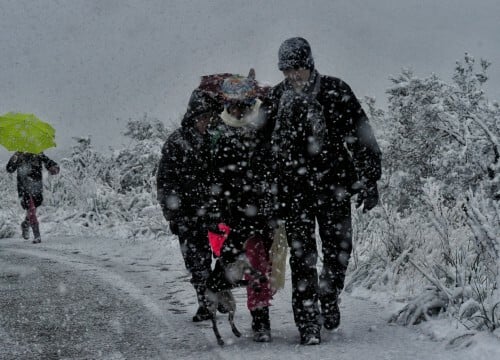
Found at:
[57, 305]
[79, 297]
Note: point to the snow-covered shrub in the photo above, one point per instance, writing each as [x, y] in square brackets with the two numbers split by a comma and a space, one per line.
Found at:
[10, 209]
[8, 226]
[137, 163]
[445, 131]
[112, 190]
[438, 228]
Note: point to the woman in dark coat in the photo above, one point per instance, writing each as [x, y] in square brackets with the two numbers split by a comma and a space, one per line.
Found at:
[30, 186]
[183, 184]
[238, 157]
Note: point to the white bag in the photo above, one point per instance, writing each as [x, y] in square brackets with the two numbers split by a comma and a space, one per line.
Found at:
[279, 252]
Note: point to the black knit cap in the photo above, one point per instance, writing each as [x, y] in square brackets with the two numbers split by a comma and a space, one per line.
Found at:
[295, 53]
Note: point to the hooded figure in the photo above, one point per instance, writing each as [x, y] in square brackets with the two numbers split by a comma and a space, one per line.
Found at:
[30, 186]
[239, 183]
[324, 153]
[183, 186]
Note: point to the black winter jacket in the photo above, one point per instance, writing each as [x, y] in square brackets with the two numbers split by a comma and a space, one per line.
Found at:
[182, 177]
[349, 150]
[29, 173]
[238, 175]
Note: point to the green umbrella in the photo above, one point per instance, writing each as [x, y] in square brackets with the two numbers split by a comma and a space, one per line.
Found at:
[25, 133]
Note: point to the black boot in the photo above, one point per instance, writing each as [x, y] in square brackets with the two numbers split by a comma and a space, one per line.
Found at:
[261, 325]
[202, 313]
[331, 317]
[330, 311]
[310, 335]
[36, 234]
[25, 229]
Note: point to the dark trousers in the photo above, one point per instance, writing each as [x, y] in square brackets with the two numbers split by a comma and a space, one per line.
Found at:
[334, 221]
[335, 230]
[197, 256]
[303, 257]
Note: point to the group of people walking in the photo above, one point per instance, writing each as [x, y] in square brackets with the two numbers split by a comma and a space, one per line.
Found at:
[247, 160]
[255, 158]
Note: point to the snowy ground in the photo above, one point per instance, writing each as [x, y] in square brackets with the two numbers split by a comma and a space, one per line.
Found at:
[88, 296]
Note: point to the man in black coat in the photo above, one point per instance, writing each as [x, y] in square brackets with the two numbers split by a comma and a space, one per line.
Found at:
[183, 186]
[325, 152]
[30, 186]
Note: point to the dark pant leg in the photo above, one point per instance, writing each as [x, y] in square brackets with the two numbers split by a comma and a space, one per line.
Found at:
[197, 257]
[303, 257]
[335, 230]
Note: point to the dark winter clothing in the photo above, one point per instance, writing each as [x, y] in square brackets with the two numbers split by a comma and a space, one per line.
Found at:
[349, 151]
[238, 180]
[30, 186]
[238, 151]
[325, 152]
[235, 159]
[197, 257]
[183, 184]
[183, 177]
[29, 175]
[199, 103]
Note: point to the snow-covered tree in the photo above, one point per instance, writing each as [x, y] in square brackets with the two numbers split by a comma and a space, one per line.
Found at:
[439, 221]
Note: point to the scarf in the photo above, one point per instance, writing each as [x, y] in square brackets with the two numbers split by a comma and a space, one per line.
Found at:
[251, 118]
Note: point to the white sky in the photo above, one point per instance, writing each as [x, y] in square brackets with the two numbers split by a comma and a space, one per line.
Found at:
[87, 66]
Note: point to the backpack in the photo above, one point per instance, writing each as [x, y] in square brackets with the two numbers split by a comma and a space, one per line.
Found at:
[212, 85]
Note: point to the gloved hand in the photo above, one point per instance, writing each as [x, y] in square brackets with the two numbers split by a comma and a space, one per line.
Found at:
[53, 170]
[174, 227]
[368, 197]
[214, 228]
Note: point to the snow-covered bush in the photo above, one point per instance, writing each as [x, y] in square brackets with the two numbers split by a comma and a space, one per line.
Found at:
[436, 237]
[7, 226]
[135, 166]
[445, 131]
[9, 218]
[113, 190]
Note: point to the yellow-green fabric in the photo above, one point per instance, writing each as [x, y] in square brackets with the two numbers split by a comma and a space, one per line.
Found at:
[25, 133]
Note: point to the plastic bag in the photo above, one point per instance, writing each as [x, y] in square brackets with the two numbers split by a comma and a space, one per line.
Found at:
[279, 252]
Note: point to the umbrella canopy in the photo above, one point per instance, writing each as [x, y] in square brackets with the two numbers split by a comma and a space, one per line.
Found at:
[25, 133]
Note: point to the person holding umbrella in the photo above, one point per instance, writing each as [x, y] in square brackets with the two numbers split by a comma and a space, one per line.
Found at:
[30, 186]
[28, 136]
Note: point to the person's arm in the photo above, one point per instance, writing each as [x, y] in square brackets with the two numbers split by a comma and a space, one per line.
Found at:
[364, 148]
[167, 180]
[13, 163]
[360, 139]
[51, 166]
